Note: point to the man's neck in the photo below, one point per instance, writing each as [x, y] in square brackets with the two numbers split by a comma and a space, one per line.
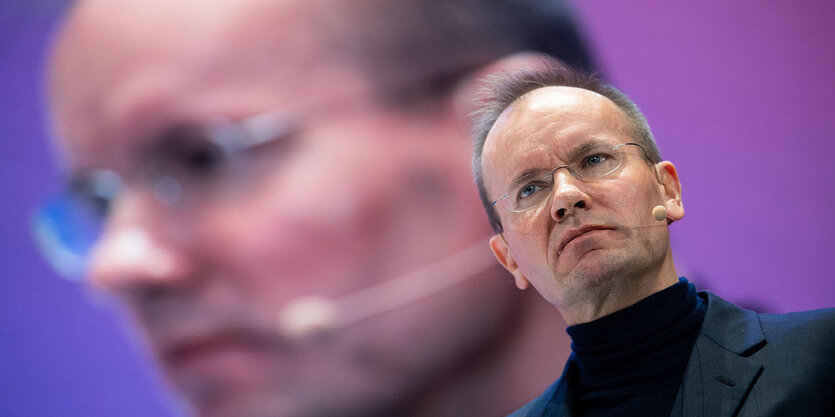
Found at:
[618, 293]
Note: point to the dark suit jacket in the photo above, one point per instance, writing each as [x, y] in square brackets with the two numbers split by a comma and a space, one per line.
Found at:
[743, 364]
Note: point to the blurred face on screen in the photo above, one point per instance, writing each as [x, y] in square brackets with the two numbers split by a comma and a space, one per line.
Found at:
[348, 194]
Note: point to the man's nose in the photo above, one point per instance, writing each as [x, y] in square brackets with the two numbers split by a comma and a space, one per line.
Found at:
[138, 248]
[567, 197]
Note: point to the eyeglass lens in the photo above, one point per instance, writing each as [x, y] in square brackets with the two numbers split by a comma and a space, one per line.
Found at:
[185, 163]
[592, 163]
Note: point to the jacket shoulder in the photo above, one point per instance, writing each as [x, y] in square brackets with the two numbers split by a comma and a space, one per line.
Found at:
[554, 401]
[813, 322]
[806, 334]
[537, 406]
[525, 410]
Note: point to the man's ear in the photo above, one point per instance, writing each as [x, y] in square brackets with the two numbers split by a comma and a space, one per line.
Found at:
[502, 252]
[671, 189]
[465, 93]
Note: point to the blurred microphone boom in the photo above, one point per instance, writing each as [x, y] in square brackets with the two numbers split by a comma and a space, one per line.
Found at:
[308, 316]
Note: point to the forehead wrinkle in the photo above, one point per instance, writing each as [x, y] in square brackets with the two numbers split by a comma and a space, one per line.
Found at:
[506, 165]
[535, 131]
[576, 105]
[560, 115]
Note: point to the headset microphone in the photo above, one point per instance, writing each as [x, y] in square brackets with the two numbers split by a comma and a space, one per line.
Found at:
[659, 213]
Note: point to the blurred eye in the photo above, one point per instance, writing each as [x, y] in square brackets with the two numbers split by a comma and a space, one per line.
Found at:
[213, 158]
[193, 155]
[95, 193]
[95, 206]
[202, 157]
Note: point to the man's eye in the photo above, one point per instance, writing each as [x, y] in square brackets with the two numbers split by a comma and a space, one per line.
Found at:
[192, 153]
[95, 193]
[528, 190]
[197, 159]
[593, 160]
[96, 205]
[204, 159]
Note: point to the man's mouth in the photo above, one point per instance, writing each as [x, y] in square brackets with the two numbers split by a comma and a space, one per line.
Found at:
[185, 350]
[212, 367]
[575, 233]
[216, 349]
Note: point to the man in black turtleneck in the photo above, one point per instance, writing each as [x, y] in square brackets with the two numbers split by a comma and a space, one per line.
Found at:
[581, 201]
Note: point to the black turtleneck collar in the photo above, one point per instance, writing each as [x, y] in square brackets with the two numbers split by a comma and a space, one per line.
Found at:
[631, 362]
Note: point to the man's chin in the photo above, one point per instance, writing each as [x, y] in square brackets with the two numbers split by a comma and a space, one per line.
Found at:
[587, 263]
[261, 393]
[593, 270]
[225, 383]
[210, 399]
[283, 403]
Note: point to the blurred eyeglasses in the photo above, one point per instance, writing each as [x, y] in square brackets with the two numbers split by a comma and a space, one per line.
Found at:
[189, 165]
[195, 164]
[592, 163]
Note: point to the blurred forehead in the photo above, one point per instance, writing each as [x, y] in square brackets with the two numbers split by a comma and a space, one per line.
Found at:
[218, 36]
[121, 63]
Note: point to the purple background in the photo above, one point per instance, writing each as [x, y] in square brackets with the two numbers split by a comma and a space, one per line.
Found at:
[739, 95]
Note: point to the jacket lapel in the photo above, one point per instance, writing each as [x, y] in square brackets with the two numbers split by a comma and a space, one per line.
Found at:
[556, 400]
[565, 393]
[720, 373]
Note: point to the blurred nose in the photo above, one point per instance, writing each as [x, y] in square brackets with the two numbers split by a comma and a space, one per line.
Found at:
[138, 249]
[567, 198]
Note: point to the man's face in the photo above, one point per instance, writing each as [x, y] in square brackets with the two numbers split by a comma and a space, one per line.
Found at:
[588, 233]
[356, 195]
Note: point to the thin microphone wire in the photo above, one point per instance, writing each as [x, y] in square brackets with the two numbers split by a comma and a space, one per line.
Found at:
[305, 316]
[308, 315]
[416, 285]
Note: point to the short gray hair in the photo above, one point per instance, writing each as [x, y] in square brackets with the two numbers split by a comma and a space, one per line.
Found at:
[502, 90]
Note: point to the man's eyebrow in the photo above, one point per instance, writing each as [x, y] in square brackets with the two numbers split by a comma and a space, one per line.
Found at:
[573, 153]
[582, 148]
[525, 176]
[160, 139]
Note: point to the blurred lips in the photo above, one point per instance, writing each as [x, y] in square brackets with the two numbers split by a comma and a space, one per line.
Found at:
[182, 350]
[217, 349]
[191, 336]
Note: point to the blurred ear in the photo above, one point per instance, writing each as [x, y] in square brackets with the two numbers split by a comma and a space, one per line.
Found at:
[464, 98]
[502, 252]
[671, 189]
